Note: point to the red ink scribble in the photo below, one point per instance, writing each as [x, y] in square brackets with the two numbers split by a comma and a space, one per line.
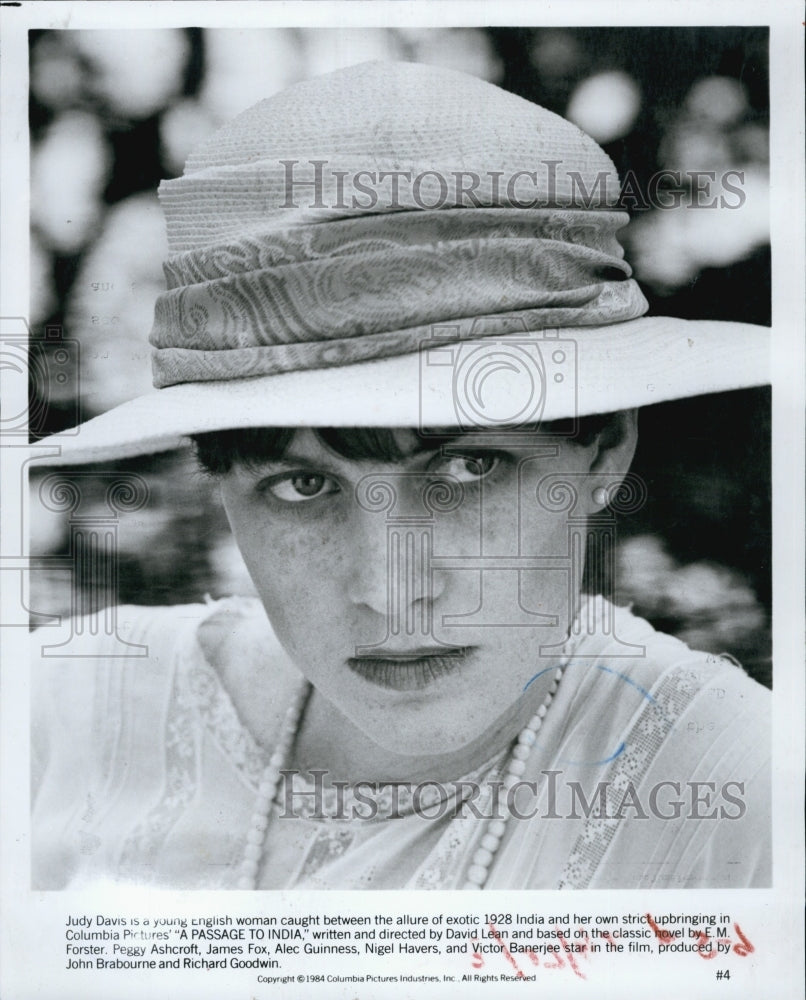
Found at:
[507, 953]
[660, 933]
[702, 941]
[745, 947]
[742, 948]
[560, 957]
[569, 955]
[568, 952]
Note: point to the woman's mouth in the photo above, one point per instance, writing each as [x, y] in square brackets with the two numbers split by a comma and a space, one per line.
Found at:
[409, 670]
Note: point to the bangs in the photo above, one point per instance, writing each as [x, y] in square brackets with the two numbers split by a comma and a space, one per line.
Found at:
[218, 451]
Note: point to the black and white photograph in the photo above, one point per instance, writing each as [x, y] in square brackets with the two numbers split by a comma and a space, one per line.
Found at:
[400, 490]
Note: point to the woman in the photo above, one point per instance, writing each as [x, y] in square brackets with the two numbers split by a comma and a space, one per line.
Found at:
[435, 703]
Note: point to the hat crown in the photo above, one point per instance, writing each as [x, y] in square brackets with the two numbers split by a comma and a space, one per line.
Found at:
[328, 148]
[345, 217]
[407, 112]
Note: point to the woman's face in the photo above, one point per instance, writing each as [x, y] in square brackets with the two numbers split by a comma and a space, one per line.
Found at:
[415, 595]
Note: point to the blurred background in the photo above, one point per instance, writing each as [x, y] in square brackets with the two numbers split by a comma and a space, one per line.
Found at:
[114, 112]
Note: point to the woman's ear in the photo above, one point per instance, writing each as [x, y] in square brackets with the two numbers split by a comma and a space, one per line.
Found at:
[611, 456]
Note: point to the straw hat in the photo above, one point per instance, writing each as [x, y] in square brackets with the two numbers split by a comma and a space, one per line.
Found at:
[401, 245]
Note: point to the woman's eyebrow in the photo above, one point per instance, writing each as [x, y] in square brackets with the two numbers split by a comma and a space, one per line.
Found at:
[325, 460]
[419, 446]
[432, 443]
[288, 458]
[471, 441]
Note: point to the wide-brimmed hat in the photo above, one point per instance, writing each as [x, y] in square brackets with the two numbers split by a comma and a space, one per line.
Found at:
[401, 245]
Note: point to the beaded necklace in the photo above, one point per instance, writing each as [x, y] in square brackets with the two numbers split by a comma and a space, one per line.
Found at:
[479, 868]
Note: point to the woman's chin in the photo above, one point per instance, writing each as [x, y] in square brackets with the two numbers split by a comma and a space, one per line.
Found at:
[448, 745]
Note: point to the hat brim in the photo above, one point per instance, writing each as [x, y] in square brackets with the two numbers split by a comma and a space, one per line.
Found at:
[513, 379]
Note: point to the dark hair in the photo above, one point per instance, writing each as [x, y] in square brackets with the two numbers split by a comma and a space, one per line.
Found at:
[217, 451]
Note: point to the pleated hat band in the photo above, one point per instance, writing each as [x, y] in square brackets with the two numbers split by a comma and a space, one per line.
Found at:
[342, 219]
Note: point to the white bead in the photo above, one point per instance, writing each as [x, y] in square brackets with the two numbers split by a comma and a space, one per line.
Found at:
[267, 789]
[477, 874]
[490, 842]
[256, 835]
[514, 768]
[482, 857]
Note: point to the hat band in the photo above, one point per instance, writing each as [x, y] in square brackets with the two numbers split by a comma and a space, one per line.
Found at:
[355, 289]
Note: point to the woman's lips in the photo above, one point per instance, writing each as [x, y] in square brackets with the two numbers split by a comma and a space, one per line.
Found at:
[409, 670]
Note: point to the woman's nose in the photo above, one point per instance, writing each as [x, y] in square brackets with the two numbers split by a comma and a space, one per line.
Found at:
[391, 571]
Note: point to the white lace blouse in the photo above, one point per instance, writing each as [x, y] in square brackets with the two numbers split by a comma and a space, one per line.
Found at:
[651, 771]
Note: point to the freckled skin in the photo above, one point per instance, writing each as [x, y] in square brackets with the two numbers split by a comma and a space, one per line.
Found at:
[320, 562]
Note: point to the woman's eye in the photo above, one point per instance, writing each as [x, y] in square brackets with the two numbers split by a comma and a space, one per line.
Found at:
[298, 486]
[465, 468]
